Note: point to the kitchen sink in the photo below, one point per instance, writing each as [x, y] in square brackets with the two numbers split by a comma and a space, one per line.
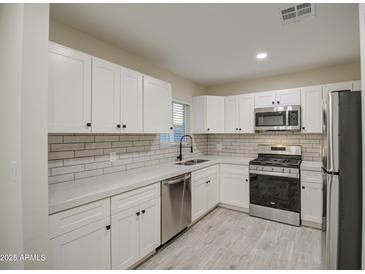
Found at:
[192, 162]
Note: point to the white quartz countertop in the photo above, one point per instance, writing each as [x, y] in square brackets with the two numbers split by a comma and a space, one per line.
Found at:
[311, 165]
[75, 193]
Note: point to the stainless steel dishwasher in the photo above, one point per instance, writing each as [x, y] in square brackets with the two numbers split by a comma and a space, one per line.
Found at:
[175, 206]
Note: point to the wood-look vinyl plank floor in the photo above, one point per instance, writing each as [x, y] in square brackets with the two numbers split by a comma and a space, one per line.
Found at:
[228, 239]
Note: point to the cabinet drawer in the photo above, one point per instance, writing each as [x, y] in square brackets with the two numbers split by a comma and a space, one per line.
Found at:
[68, 220]
[132, 198]
[311, 176]
[204, 173]
[228, 169]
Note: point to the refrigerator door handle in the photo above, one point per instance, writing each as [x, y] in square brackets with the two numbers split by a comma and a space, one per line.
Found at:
[328, 217]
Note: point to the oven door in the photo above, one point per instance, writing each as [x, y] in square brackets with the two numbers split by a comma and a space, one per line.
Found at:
[275, 191]
[270, 118]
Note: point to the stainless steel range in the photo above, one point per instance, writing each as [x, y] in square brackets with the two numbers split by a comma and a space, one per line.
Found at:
[275, 183]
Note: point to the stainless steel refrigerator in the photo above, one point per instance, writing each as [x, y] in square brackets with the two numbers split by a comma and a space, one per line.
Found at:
[342, 176]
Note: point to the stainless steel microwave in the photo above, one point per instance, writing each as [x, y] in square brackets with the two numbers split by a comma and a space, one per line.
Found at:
[277, 118]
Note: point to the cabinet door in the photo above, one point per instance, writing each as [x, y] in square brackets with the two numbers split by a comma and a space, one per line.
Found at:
[199, 198]
[69, 90]
[215, 114]
[231, 122]
[85, 248]
[157, 105]
[311, 202]
[105, 97]
[213, 192]
[333, 87]
[356, 85]
[265, 99]
[131, 101]
[150, 232]
[234, 187]
[288, 97]
[312, 108]
[125, 238]
[247, 113]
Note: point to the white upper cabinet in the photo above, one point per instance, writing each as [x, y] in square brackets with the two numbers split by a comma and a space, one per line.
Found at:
[208, 114]
[265, 99]
[231, 114]
[131, 101]
[311, 101]
[157, 105]
[288, 97]
[69, 95]
[246, 113]
[105, 97]
[283, 97]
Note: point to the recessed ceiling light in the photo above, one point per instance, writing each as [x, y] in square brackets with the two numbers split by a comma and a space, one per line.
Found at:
[261, 55]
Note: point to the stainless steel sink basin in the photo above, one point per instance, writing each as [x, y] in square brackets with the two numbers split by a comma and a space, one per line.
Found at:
[192, 162]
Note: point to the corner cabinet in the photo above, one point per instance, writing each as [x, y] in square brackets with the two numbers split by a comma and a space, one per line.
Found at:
[157, 105]
[239, 114]
[235, 186]
[208, 114]
[204, 191]
[69, 90]
[312, 108]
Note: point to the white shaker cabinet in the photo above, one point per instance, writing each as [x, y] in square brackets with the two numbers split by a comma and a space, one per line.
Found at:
[69, 90]
[311, 198]
[135, 223]
[234, 185]
[208, 114]
[285, 97]
[239, 114]
[131, 101]
[246, 105]
[204, 191]
[80, 237]
[157, 105]
[312, 108]
[105, 97]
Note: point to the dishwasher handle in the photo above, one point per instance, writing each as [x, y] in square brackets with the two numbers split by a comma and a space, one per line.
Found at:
[178, 180]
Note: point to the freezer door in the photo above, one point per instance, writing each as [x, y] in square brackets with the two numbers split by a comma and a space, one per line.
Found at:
[330, 133]
[332, 221]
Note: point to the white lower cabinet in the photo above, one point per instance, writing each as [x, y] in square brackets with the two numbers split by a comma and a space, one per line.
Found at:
[80, 237]
[235, 186]
[204, 191]
[135, 225]
[311, 198]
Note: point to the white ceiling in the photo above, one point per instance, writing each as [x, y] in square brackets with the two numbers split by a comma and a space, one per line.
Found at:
[216, 43]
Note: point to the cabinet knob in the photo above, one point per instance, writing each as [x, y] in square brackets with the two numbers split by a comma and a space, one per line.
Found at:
[207, 182]
[240, 129]
[278, 102]
[208, 128]
[236, 128]
[143, 211]
[88, 124]
[138, 213]
[273, 102]
[171, 128]
[124, 126]
[303, 187]
[303, 127]
[246, 180]
[107, 227]
[118, 126]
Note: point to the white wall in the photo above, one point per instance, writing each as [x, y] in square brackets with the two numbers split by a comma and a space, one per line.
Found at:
[323, 75]
[182, 89]
[23, 106]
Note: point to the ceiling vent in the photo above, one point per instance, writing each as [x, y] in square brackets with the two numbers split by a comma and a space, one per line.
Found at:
[295, 13]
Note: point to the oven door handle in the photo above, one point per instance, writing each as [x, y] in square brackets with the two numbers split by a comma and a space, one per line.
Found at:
[277, 174]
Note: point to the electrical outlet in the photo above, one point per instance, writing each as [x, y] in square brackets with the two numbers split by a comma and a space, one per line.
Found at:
[219, 147]
[113, 156]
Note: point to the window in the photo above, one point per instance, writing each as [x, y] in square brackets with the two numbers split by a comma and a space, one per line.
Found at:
[180, 123]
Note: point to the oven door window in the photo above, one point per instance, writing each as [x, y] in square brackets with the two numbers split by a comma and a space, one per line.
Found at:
[276, 192]
[270, 119]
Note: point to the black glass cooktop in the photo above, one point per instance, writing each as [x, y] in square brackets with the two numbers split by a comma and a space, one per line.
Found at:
[277, 161]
